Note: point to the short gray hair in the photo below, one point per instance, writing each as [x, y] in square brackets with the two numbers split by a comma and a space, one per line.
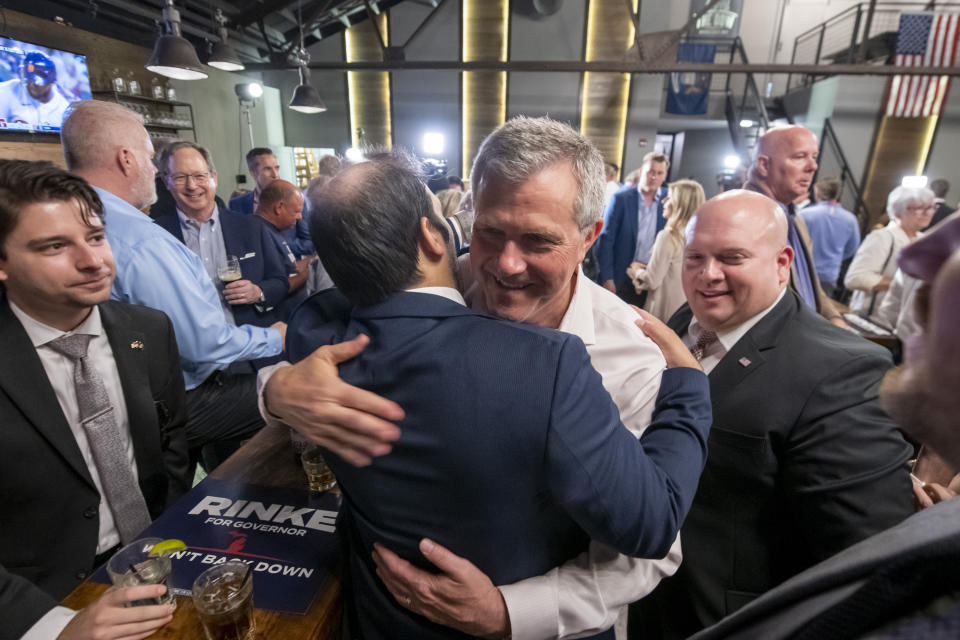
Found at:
[902, 197]
[173, 147]
[523, 147]
[94, 131]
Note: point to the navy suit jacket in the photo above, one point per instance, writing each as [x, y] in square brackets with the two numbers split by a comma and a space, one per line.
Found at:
[247, 240]
[617, 244]
[512, 453]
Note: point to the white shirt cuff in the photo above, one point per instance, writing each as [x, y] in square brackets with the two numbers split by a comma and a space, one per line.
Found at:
[263, 376]
[533, 607]
[50, 625]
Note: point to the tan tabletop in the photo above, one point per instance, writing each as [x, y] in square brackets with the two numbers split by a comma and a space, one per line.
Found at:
[267, 459]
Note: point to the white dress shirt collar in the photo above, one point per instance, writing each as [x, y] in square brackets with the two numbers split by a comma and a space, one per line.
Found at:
[445, 292]
[40, 333]
[725, 339]
[578, 319]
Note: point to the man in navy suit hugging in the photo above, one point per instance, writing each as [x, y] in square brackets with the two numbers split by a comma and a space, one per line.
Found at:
[512, 452]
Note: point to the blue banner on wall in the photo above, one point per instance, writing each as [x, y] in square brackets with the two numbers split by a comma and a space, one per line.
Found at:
[287, 536]
[689, 93]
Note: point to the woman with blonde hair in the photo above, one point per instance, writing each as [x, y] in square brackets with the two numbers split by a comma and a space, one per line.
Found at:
[661, 276]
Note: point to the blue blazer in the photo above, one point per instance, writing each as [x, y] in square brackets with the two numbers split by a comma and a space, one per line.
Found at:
[244, 238]
[512, 454]
[297, 237]
[617, 243]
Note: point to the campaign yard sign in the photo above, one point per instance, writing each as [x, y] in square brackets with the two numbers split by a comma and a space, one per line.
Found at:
[287, 536]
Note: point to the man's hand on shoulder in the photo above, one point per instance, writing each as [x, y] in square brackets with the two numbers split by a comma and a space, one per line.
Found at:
[109, 618]
[674, 351]
[460, 597]
[282, 328]
[310, 397]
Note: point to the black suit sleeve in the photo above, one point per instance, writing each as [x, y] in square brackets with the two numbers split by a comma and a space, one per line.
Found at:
[844, 465]
[21, 605]
[172, 410]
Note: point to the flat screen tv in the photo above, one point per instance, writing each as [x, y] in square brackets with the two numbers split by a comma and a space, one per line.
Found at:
[37, 85]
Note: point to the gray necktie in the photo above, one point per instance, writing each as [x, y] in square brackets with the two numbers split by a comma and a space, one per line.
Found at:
[129, 509]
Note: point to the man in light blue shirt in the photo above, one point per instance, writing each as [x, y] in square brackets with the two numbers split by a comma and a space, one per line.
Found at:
[107, 145]
[834, 232]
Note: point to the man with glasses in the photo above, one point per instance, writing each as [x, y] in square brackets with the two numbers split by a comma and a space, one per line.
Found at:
[214, 233]
[106, 144]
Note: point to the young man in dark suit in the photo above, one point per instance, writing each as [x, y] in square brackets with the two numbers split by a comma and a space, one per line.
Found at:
[92, 408]
[803, 461]
[512, 465]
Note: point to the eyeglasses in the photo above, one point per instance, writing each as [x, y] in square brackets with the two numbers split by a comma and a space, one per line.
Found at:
[921, 207]
[180, 179]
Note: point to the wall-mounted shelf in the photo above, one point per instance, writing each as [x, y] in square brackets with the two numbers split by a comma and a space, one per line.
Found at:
[161, 118]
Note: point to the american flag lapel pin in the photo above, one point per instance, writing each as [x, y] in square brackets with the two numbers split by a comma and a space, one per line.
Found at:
[136, 344]
[744, 362]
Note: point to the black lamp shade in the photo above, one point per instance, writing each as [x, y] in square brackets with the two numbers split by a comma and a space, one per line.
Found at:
[224, 57]
[306, 99]
[173, 56]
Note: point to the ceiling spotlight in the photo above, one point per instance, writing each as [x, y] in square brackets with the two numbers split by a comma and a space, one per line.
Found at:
[223, 56]
[306, 98]
[731, 162]
[354, 155]
[248, 90]
[173, 55]
[746, 123]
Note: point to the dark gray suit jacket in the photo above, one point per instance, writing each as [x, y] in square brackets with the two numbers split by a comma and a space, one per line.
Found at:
[48, 503]
[806, 599]
[802, 463]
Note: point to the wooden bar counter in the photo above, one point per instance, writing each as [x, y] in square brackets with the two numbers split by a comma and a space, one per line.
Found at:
[266, 459]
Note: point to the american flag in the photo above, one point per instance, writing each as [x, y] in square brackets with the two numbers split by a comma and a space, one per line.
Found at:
[924, 40]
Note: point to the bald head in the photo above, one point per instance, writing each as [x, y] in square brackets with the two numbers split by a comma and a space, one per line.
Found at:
[737, 260]
[106, 144]
[785, 162]
[280, 204]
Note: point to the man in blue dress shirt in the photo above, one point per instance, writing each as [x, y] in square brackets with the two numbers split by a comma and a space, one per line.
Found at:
[633, 218]
[834, 232]
[106, 144]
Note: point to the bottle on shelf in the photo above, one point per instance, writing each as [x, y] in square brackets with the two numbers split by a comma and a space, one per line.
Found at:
[117, 81]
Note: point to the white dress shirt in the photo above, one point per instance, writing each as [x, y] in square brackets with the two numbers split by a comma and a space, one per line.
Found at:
[714, 352]
[59, 369]
[584, 596]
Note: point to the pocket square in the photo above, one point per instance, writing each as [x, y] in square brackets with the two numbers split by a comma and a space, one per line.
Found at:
[252, 254]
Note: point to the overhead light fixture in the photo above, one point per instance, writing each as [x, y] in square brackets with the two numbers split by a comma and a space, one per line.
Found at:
[173, 55]
[223, 56]
[914, 182]
[306, 99]
[746, 123]
[433, 143]
[354, 155]
[731, 162]
[248, 90]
